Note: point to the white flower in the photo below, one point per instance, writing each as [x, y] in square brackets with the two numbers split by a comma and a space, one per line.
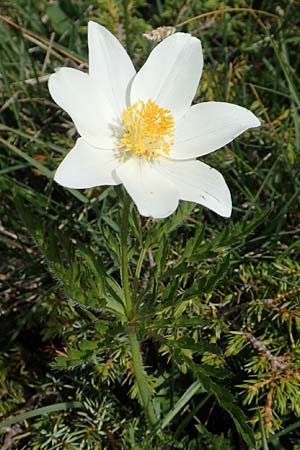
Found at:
[139, 129]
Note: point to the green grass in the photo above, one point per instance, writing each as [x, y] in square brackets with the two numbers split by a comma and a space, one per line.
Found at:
[221, 310]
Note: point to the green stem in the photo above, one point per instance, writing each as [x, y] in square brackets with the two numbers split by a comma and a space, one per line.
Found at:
[141, 377]
[139, 372]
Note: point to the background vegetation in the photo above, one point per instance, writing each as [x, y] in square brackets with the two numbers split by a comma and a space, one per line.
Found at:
[219, 299]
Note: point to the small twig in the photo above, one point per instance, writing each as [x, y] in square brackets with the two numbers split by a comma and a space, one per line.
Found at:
[161, 33]
[272, 301]
[188, 409]
[47, 56]
[277, 362]
[11, 434]
[44, 46]
[9, 101]
[145, 280]
[268, 408]
[33, 81]
[265, 112]
[111, 439]
[227, 10]
[7, 233]
[209, 414]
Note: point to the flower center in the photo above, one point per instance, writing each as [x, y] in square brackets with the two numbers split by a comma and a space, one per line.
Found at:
[148, 130]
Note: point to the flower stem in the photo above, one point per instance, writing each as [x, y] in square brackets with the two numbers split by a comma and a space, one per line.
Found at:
[140, 376]
[139, 372]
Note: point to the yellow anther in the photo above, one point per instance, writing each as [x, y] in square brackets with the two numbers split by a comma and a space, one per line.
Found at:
[148, 130]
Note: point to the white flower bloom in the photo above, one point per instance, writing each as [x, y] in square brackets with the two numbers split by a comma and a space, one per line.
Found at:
[139, 129]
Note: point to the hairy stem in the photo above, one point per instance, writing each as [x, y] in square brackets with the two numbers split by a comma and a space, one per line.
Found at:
[141, 377]
[139, 371]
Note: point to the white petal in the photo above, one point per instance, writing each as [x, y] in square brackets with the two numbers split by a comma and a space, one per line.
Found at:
[197, 182]
[81, 98]
[171, 73]
[209, 126]
[153, 193]
[86, 166]
[110, 66]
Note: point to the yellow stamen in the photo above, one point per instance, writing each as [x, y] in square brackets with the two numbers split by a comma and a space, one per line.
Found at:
[148, 130]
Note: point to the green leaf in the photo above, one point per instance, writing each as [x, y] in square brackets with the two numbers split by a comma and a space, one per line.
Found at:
[176, 219]
[61, 362]
[194, 242]
[75, 355]
[88, 345]
[216, 372]
[101, 327]
[180, 404]
[166, 226]
[208, 282]
[60, 22]
[196, 347]
[180, 269]
[115, 300]
[135, 224]
[161, 254]
[96, 266]
[44, 410]
[263, 433]
[225, 400]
